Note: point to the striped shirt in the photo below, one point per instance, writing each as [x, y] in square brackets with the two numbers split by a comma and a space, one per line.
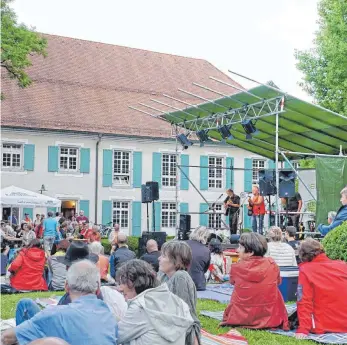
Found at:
[282, 253]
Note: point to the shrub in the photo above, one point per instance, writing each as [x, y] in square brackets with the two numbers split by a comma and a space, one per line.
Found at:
[335, 243]
[106, 245]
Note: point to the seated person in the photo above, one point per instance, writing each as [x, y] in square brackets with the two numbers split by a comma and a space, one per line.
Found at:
[28, 267]
[122, 254]
[341, 215]
[176, 256]
[28, 234]
[256, 301]
[290, 237]
[103, 263]
[322, 288]
[152, 254]
[155, 315]
[86, 320]
[281, 252]
[4, 258]
[218, 263]
[57, 267]
[331, 216]
[115, 301]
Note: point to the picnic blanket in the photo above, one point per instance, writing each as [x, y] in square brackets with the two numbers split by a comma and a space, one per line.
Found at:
[233, 337]
[218, 315]
[215, 296]
[225, 288]
[327, 338]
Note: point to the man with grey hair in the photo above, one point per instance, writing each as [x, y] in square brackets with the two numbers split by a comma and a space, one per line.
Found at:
[122, 254]
[341, 215]
[86, 320]
[331, 216]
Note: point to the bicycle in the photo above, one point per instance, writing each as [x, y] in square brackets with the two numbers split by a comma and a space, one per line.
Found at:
[105, 230]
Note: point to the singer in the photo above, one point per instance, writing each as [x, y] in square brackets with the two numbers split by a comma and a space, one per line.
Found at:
[257, 206]
[232, 206]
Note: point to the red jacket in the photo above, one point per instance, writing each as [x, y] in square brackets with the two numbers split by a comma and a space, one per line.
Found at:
[256, 301]
[322, 296]
[28, 269]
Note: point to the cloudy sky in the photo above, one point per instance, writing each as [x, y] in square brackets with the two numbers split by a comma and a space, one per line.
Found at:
[256, 38]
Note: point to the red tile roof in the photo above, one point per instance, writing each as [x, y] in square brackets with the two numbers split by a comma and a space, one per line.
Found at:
[88, 86]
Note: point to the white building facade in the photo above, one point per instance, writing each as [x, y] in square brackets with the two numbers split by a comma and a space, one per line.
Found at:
[102, 175]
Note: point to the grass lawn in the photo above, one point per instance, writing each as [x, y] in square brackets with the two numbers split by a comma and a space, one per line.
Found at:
[8, 307]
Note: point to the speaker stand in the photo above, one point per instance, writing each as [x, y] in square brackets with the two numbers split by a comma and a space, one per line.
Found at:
[153, 216]
[147, 217]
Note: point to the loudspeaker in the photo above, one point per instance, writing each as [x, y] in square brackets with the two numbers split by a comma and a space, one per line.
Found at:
[185, 220]
[287, 183]
[183, 235]
[267, 182]
[150, 192]
[159, 236]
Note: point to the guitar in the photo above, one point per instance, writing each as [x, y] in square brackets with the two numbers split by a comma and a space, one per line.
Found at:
[250, 207]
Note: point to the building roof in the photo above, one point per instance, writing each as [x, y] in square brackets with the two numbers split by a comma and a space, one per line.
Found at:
[88, 86]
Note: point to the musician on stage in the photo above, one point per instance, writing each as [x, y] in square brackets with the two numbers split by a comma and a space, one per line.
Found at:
[232, 206]
[294, 204]
[256, 205]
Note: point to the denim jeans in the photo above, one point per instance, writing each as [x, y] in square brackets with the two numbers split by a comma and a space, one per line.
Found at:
[26, 309]
[258, 223]
[48, 242]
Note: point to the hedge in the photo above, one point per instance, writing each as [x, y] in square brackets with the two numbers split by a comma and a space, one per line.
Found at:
[133, 243]
[335, 243]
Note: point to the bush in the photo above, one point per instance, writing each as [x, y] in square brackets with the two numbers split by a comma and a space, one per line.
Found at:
[335, 243]
[106, 245]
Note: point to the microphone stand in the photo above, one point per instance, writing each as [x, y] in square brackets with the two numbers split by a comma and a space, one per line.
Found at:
[213, 208]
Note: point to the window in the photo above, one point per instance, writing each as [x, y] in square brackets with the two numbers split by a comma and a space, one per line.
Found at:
[215, 172]
[214, 220]
[68, 158]
[121, 214]
[169, 170]
[11, 156]
[121, 168]
[168, 215]
[257, 164]
[296, 165]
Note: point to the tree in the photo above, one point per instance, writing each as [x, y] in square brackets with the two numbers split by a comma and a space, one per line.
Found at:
[325, 66]
[18, 43]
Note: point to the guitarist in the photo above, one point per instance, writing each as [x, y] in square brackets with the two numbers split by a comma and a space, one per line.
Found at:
[232, 206]
[256, 205]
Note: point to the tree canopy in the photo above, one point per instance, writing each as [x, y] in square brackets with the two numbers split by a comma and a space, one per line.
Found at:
[325, 66]
[18, 43]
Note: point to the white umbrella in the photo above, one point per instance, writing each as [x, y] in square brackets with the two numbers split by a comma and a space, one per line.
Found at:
[14, 196]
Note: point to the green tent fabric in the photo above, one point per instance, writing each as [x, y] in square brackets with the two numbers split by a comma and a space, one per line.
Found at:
[331, 177]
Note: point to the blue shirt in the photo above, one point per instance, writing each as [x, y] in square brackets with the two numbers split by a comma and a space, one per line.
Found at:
[85, 321]
[50, 224]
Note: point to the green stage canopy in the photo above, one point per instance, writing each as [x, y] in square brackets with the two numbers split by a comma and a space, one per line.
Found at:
[303, 127]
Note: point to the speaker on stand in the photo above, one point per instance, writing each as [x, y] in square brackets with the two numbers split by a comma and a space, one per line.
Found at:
[184, 227]
[150, 193]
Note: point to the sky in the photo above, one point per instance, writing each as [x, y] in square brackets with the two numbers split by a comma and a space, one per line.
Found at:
[256, 38]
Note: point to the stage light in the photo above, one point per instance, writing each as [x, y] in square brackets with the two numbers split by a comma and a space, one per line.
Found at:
[203, 136]
[184, 141]
[249, 128]
[225, 132]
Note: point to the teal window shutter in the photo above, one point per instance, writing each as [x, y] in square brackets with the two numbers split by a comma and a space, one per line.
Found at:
[157, 216]
[203, 217]
[52, 209]
[204, 173]
[136, 218]
[84, 206]
[85, 160]
[137, 169]
[107, 168]
[229, 175]
[286, 165]
[248, 175]
[106, 212]
[247, 220]
[271, 164]
[53, 158]
[184, 207]
[28, 210]
[156, 167]
[185, 168]
[29, 157]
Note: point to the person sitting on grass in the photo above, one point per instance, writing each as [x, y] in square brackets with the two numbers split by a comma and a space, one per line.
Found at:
[217, 269]
[28, 267]
[290, 238]
[103, 262]
[340, 217]
[122, 254]
[152, 254]
[281, 252]
[155, 315]
[256, 301]
[86, 320]
[321, 294]
[175, 259]
[28, 234]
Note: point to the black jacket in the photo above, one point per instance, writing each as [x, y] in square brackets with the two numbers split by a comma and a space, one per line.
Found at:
[122, 255]
[200, 263]
[152, 258]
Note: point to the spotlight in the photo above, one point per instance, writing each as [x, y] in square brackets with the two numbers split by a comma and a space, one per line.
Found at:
[203, 136]
[249, 128]
[225, 132]
[184, 141]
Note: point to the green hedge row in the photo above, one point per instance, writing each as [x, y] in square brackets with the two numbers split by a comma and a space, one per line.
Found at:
[335, 243]
[133, 243]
